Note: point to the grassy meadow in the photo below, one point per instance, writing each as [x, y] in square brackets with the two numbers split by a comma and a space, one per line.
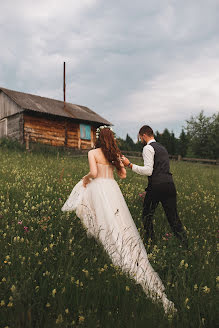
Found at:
[52, 275]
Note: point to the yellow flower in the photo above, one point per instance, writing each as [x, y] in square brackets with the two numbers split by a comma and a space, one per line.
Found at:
[47, 304]
[182, 263]
[217, 279]
[59, 319]
[13, 288]
[2, 303]
[206, 289]
[3, 279]
[127, 288]
[67, 311]
[81, 319]
[186, 300]
[195, 287]
[10, 304]
[53, 292]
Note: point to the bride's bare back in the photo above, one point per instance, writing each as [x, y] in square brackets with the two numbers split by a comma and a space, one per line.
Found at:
[96, 158]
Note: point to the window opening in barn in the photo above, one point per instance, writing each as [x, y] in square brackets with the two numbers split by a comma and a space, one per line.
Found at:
[3, 128]
[85, 131]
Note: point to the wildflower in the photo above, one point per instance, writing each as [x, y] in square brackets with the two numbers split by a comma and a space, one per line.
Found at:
[45, 250]
[195, 287]
[67, 311]
[3, 279]
[86, 272]
[127, 288]
[10, 304]
[25, 229]
[48, 305]
[13, 288]
[217, 278]
[182, 263]
[2, 303]
[20, 222]
[206, 289]
[186, 300]
[59, 319]
[186, 265]
[53, 292]
[81, 319]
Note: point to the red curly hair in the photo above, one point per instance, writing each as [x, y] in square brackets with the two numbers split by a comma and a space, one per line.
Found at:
[109, 147]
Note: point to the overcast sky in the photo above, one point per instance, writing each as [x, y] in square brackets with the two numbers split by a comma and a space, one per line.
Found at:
[133, 62]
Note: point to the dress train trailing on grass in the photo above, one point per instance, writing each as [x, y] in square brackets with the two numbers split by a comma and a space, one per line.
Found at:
[104, 213]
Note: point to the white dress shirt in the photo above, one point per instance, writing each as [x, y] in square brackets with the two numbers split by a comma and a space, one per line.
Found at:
[148, 157]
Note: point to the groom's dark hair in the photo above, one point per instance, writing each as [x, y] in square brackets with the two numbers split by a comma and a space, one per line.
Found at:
[146, 129]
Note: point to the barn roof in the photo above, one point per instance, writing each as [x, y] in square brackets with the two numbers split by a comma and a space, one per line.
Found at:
[52, 106]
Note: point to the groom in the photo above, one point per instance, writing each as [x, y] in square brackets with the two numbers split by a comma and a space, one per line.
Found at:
[160, 187]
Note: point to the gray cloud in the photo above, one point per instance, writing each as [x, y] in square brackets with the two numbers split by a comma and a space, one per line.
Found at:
[132, 62]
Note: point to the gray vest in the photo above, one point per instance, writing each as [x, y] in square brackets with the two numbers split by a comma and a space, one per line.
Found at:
[161, 170]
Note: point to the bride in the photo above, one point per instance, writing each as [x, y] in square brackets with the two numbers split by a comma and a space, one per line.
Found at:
[99, 203]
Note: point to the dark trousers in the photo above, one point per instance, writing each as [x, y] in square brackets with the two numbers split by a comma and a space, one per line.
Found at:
[166, 194]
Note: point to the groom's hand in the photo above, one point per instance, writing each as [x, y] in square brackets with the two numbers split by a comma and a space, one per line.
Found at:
[125, 161]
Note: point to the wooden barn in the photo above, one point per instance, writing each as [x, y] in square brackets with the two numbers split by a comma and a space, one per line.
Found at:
[28, 117]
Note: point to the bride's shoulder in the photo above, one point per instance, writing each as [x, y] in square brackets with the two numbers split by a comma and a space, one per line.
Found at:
[93, 151]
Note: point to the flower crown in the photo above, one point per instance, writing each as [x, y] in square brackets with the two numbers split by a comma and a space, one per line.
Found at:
[101, 128]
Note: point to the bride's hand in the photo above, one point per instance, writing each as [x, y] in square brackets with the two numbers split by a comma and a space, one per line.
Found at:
[86, 180]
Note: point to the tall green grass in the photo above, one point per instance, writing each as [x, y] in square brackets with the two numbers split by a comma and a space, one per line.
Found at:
[53, 275]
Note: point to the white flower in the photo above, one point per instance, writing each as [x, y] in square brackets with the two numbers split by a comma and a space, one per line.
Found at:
[101, 128]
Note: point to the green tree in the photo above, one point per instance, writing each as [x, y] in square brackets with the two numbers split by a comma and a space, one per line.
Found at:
[203, 135]
[183, 144]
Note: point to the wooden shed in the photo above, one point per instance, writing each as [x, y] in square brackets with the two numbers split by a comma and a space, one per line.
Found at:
[28, 117]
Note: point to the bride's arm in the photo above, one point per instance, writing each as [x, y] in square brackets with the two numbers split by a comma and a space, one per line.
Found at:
[122, 172]
[93, 168]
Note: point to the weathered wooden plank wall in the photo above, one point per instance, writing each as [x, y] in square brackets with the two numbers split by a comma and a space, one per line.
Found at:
[8, 107]
[15, 127]
[56, 132]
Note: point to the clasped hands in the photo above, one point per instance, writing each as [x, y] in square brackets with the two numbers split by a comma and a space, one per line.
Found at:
[125, 160]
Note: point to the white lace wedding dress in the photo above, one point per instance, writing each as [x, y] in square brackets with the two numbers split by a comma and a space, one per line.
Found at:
[105, 215]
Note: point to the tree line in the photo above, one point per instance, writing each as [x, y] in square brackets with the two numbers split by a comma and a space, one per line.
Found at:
[199, 138]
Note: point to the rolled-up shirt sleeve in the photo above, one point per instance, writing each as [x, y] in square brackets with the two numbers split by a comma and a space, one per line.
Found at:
[148, 156]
